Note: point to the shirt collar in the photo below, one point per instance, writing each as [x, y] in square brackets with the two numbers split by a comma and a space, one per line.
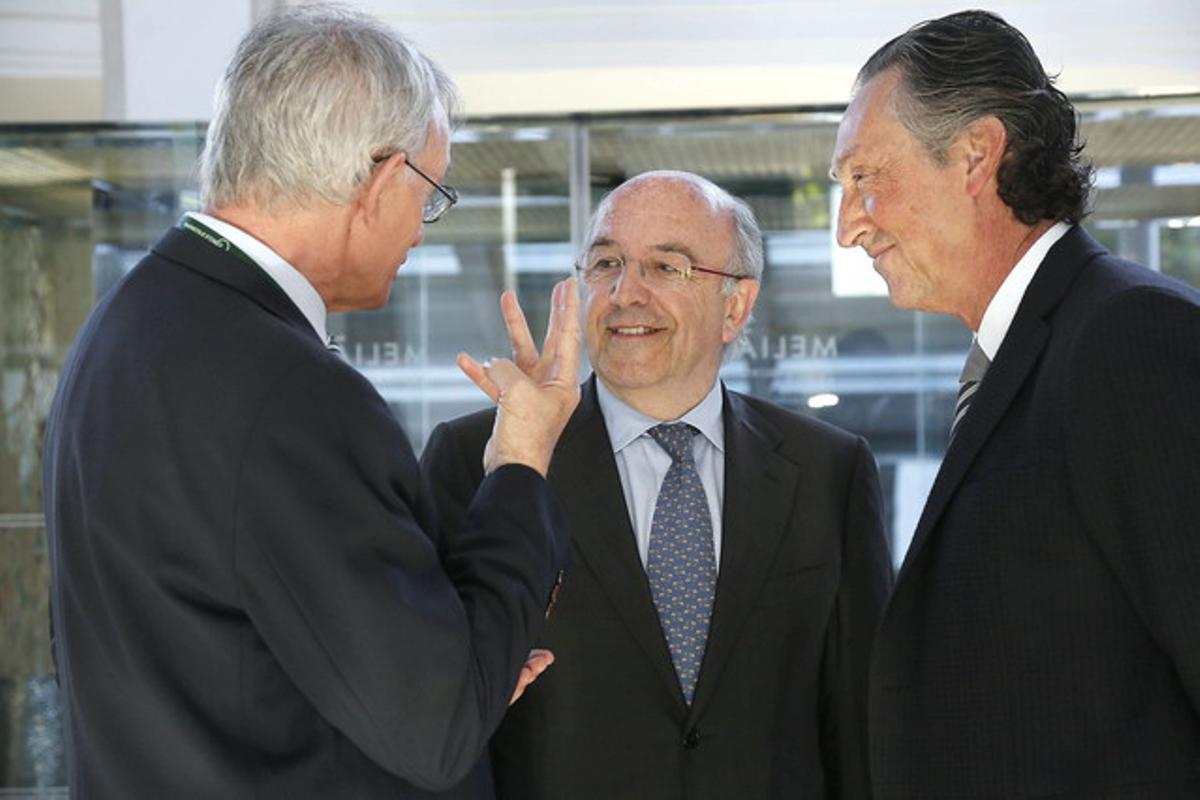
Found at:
[998, 316]
[291, 280]
[625, 423]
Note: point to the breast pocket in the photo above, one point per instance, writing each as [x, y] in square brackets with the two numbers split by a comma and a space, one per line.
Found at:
[795, 586]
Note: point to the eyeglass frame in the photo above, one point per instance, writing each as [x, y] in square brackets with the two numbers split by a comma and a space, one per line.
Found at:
[448, 192]
[687, 276]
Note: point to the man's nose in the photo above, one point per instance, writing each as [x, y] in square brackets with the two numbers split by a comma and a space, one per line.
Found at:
[852, 221]
[630, 285]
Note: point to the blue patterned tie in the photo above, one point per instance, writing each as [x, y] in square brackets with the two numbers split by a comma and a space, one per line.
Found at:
[681, 567]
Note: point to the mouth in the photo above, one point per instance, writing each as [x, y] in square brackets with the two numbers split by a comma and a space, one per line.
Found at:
[877, 253]
[633, 331]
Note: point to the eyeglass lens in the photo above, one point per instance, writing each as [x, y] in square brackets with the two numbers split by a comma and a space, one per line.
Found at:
[665, 268]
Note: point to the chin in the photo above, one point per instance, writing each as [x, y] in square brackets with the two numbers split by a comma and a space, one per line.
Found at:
[898, 296]
[627, 376]
[898, 301]
[378, 301]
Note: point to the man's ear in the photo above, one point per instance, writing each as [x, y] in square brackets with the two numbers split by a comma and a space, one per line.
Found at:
[982, 145]
[370, 194]
[738, 306]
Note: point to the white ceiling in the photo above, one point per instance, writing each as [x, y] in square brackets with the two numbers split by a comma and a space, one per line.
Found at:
[547, 56]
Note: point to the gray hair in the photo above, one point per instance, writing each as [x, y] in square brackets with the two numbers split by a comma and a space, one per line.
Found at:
[310, 96]
[747, 256]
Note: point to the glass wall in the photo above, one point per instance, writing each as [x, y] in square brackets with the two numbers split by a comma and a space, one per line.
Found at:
[511, 229]
[79, 206]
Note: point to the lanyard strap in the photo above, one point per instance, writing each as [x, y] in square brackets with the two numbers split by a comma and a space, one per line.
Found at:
[195, 226]
[208, 235]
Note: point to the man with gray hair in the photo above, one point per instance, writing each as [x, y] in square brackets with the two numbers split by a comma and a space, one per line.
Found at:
[730, 564]
[244, 601]
[1043, 639]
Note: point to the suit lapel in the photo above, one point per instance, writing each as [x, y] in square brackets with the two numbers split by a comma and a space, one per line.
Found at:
[190, 251]
[995, 394]
[585, 480]
[760, 491]
[1018, 355]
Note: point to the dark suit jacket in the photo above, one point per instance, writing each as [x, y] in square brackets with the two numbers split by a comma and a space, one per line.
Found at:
[1043, 639]
[244, 604]
[780, 703]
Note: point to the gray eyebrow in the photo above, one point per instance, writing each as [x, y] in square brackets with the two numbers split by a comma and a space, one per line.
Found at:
[665, 247]
[833, 168]
[675, 247]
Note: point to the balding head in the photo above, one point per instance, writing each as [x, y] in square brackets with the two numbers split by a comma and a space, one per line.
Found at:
[746, 249]
[658, 321]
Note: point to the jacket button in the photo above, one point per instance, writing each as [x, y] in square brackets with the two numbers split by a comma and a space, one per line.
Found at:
[692, 739]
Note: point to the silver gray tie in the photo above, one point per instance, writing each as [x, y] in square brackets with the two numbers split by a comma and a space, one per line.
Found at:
[968, 383]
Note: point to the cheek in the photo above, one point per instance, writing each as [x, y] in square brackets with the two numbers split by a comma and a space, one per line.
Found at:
[883, 205]
[870, 203]
[593, 304]
[592, 310]
[702, 327]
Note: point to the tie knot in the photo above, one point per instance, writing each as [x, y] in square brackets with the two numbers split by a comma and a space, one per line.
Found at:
[676, 438]
[976, 365]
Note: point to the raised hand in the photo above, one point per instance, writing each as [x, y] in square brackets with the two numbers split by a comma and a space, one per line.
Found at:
[535, 393]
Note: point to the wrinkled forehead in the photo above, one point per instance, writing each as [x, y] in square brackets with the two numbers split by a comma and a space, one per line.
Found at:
[870, 120]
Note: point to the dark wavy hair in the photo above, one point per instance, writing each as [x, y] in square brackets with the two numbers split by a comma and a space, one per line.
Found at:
[972, 64]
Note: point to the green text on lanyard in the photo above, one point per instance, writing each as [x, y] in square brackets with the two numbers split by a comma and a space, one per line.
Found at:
[192, 225]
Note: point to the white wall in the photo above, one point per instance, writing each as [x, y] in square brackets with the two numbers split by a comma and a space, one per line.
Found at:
[143, 60]
[545, 55]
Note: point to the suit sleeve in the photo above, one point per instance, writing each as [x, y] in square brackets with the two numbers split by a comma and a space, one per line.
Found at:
[866, 580]
[411, 656]
[1131, 448]
[451, 471]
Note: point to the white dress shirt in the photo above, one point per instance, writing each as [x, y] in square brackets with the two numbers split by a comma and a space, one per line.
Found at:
[998, 316]
[293, 283]
[642, 463]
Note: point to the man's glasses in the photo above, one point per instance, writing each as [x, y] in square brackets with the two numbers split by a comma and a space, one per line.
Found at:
[440, 200]
[664, 269]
